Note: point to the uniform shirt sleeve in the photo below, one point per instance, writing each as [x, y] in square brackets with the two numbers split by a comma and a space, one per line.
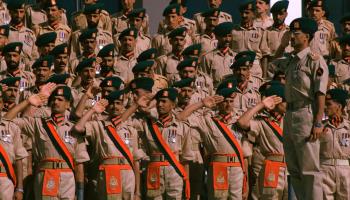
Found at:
[138, 152]
[20, 151]
[26, 124]
[81, 154]
[320, 76]
[187, 153]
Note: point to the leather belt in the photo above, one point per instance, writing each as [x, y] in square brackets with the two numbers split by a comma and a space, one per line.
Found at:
[53, 165]
[335, 162]
[115, 161]
[224, 158]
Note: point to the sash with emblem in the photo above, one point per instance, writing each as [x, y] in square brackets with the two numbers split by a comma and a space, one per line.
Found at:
[271, 174]
[6, 162]
[164, 147]
[276, 129]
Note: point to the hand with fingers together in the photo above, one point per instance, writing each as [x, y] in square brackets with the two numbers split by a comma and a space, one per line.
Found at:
[271, 102]
[100, 106]
[211, 101]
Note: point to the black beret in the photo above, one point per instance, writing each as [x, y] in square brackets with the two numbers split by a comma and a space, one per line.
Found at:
[60, 49]
[226, 92]
[112, 81]
[115, 95]
[11, 81]
[15, 4]
[188, 62]
[107, 50]
[306, 25]
[88, 34]
[248, 5]
[44, 61]
[137, 12]
[223, 29]
[128, 32]
[63, 91]
[149, 54]
[187, 82]
[13, 47]
[250, 54]
[338, 95]
[58, 79]
[228, 83]
[170, 93]
[4, 30]
[172, 9]
[244, 58]
[180, 2]
[142, 83]
[93, 8]
[345, 18]
[143, 66]
[317, 3]
[212, 12]
[275, 89]
[345, 39]
[86, 63]
[46, 38]
[181, 31]
[279, 6]
[192, 51]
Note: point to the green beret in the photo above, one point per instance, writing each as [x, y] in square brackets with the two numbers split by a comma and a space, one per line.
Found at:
[128, 32]
[244, 58]
[226, 92]
[338, 95]
[15, 4]
[90, 33]
[106, 51]
[60, 49]
[178, 32]
[250, 54]
[212, 12]
[86, 63]
[180, 2]
[192, 51]
[187, 82]
[137, 12]
[63, 91]
[345, 18]
[142, 83]
[248, 5]
[170, 93]
[4, 30]
[317, 3]
[230, 82]
[171, 9]
[306, 25]
[45, 39]
[112, 81]
[223, 29]
[275, 88]
[58, 79]
[93, 8]
[188, 62]
[279, 6]
[331, 71]
[45, 61]
[13, 47]
[345, 39]
[149, 54]
[11, 81]
[143, 66]
[115, 95]
[266, 85]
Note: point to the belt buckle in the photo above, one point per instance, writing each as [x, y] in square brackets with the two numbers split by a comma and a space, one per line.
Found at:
[120, 160]
[230, 159]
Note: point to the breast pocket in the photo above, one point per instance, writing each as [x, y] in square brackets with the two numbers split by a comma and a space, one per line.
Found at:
[254, 38]
[174, 139]
[344, 142]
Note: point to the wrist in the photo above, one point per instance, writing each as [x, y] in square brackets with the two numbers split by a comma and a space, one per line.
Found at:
[19, 190]
[318, 124]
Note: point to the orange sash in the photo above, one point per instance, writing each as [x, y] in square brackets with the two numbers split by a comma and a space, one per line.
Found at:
[275, 128]
[51, 182]
[57, 142]
[8, 165]
[153, 175]
[220, 176]
[272, 169]
[157, 136]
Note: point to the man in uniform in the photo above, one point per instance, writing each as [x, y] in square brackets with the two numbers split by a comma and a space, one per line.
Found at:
[151, 54]
[335, 51]
[207, 39]
[4, 33]
[342, 66]
[107, 56]
[61, 63]
[53, 23]
[247, 37]
[217, 63]
[58, 153]
[45, 43]
[262, 20]
[223, 16]
[11, 95]
[306, 84]
[4, 13]
[192, 51]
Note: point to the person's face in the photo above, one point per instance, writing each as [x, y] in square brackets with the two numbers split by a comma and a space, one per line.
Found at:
[41, 74]
[59, 104]
[53, 13]
[247, 16]
[188, 72]
[242, 73]
[225, 41]
[107, 61]
[10, 94]
[185, 95]
[316, 13]
[61, 61]
[144, 74]
[17, 15]
[164, 106]
[279, 17]
[136, 22]
[45, 50]
[128, 43]
[93, 19]
[89, 45]
[298, 39]
[261, 6]
[172, 20]
[211, 22]
[345, 50]
[128, 4]
[178, 43]
[106, 91]
[332, 108]
[3, 41]
[346, 27]
[87, 75]
[214, 3]
[12, 59]
[226, 106]
[116, 108]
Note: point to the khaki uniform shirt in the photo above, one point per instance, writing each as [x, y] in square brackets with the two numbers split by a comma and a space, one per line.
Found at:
[188, 23]
[79, 21]
[263, 24]
[162, 44]
[217, 65]
[123, 67]
[207, 42]
[63, 31]
[143, 42]
[5, 17]
[120, 22]
[247, 99]
[204, 85]
[273, 37]
[342, 70]
[27, 79]
[168, 64]
[323, 37]
[223, 17]
[35, 16]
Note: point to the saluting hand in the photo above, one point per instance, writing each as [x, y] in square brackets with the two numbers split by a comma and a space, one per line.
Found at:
[271, 101]
[144, 101]
[211, 101]
[37, 99]
[47, 89]
[100, 106]
[92, 91]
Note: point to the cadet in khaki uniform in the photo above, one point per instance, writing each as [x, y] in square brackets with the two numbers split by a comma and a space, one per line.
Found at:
[247, 37]
[267, 130]
[20, 33]
[262, 20]
[335, 147]
[103, 37]
[145, 69]
[306, 84]
[335, 51]
[61, 63]
[107, 56]
[12, 153]
[79, 21]
[217, 63]
[53, 23]
[57, 151]
[342, 66]
[4, 13]
[172, 17]
[4, 33]
[163, 137]
[223, 16]
[207, 39]
[45, 43]
[326, 31]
